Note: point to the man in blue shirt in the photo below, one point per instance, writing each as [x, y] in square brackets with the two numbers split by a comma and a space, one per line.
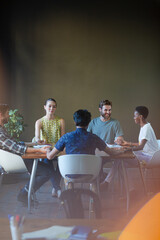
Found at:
[80, 141]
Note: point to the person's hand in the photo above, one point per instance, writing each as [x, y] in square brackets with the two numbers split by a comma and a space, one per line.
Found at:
[41, 142]
[127, 149]
[120, 142]
[116, 151]
[45, 149]
[119, 151]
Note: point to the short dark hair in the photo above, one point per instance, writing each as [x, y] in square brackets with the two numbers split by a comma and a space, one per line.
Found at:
[142, 110]
[50, 99]
[4, 108]
[82, 117]
[104, 102]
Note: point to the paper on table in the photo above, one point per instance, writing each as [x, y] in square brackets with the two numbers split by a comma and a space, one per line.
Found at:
[52, 233]
[110, 235]
[40, 146]
[101, 153]
[113, 145]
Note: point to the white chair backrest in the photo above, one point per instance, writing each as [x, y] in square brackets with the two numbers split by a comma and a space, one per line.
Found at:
[155, 161]
[12, 163]
[158, 141]
[79, 164]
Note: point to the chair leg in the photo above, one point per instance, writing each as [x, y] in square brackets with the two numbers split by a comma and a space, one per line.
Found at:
[70, 185]
[91, 212]
[98, 185]
[142, 177]
[65, 184]
[149, 181]
[93, 187]
[1, 179]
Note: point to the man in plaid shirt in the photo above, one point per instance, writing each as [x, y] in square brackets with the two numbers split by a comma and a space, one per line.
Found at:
[8, 144]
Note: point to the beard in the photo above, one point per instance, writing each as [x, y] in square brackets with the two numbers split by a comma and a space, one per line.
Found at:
[105, 116]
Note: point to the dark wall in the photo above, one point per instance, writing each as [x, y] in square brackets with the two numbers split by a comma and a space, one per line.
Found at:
[80, 53]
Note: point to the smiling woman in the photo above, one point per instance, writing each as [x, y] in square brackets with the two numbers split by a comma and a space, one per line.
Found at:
[48, 130]
[50, 127]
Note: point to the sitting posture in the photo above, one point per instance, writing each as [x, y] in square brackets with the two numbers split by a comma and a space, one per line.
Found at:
[147, 144]
[48, 130]
[108, 129]
[104, 126]
[80, 141]
[6, 143]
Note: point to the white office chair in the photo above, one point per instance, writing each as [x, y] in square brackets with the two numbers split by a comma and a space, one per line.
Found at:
[155, 161]
[80, 168]
[153, 164]
[158, 141]
[11, 163]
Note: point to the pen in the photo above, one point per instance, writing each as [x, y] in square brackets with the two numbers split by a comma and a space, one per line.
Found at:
[17, 220]
[22, 221]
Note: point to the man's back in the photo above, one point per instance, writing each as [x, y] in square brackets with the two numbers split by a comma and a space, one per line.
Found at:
[80, 142]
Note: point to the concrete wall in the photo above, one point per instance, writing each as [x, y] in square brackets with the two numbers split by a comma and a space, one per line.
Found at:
[80, 53]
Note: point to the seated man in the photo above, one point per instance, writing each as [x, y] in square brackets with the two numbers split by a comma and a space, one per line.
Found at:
[104, 126]
[80, 141]
[8, 144]
[108, 129]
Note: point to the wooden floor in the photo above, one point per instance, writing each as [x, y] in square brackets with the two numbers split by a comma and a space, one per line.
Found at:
[113, 207]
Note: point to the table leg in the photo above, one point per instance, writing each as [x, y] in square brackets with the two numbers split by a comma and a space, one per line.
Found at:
[31, 182]
[126, 183]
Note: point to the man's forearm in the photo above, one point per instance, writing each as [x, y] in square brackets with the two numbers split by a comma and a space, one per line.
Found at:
[51, 154]
[33, 150]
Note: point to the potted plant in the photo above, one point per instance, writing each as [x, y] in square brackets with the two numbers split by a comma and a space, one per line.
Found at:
[15, 125]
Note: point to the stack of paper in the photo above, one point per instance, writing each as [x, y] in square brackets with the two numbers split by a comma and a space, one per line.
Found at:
[52, 233]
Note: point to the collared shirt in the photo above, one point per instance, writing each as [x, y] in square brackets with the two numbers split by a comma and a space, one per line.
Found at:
[8, 144]
[80, 142]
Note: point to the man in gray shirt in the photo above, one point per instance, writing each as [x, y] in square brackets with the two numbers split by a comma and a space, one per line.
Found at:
[109, 130]
[105, 127]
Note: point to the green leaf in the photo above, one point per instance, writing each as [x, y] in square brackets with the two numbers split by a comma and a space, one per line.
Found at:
[15, 125]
